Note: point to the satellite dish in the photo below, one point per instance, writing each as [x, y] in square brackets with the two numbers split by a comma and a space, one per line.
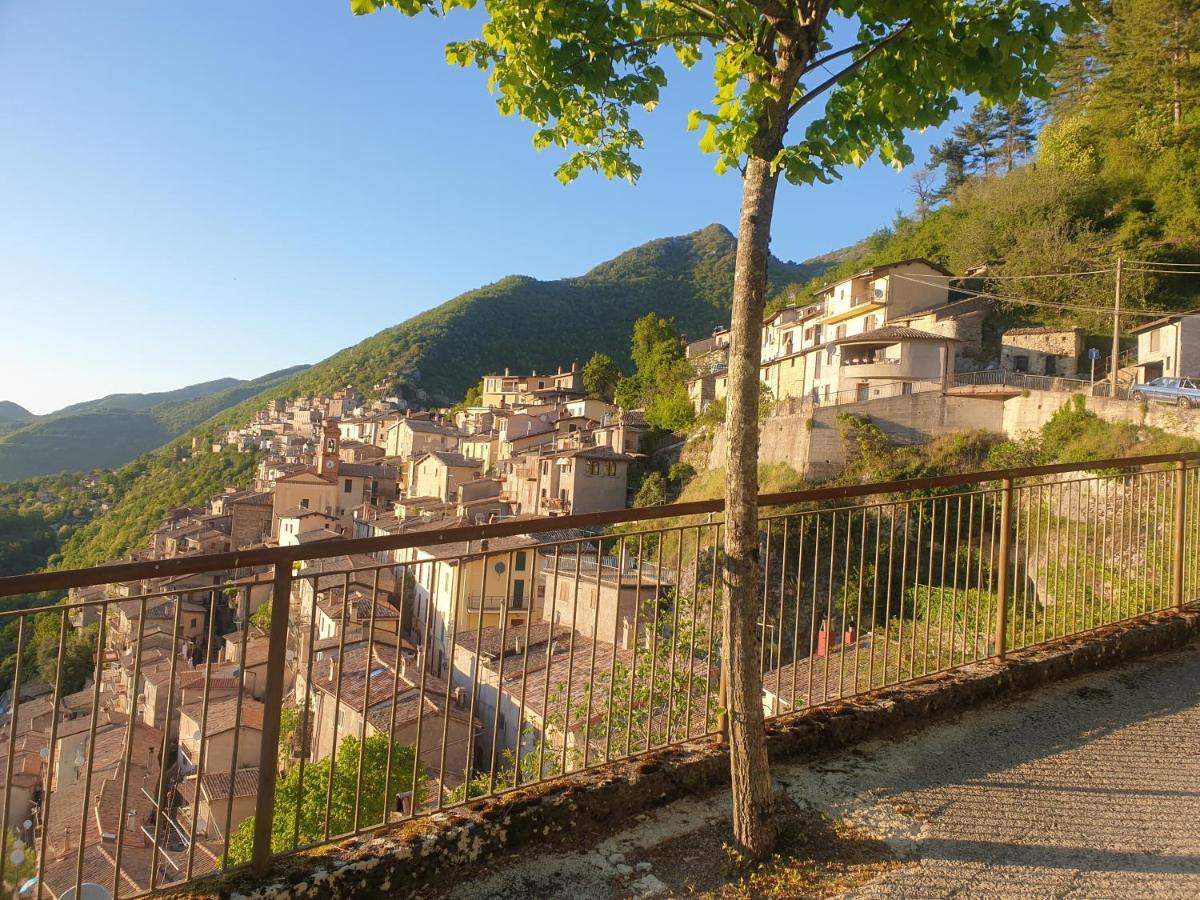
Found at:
[87, 891]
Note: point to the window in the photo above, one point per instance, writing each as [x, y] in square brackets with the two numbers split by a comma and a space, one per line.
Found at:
[519, 561]
[518, 597]
[610, 468]
[1020, 363]
[348, 486]
[1155, 339]
[593, 467]
[817, 367]
[304, 503]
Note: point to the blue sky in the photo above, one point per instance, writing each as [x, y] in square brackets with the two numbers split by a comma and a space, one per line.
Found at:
[193, 191]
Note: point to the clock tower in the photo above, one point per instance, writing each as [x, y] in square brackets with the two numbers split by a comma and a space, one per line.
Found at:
[327, 452]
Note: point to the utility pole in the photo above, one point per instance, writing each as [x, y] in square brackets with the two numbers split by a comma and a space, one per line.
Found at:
[1116, 343]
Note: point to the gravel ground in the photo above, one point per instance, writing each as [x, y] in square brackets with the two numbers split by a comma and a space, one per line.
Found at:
[1089, 788]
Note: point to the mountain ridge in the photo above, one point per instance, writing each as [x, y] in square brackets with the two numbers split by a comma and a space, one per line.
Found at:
[113, 430]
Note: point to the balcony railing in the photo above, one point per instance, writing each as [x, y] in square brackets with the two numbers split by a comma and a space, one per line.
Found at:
[861, 586]
[1025, 381]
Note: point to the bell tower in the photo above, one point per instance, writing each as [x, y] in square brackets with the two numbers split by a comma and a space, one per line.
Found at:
[327, 452]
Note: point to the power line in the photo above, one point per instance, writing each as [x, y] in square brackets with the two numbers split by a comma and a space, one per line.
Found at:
[1165, 271]
[1160, 262]
[1024, 301]
[1012, 277]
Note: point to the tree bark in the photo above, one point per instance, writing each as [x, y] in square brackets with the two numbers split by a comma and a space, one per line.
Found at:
[753, 806]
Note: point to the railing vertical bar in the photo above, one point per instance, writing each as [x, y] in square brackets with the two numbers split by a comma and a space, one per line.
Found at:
[204, 700]
[1002, 587]
[694, 626]
[591, 686]
[845, 599]
[337, 694]
[14, 714]
[268, 766]
[796, 616]
[829, 606]
[887, 597]
[812, 630]
[766, 590]
[862, 573]
[780, 618]
[715, 531]
[389, 798]
[937, 660]
[366, 710]
[1033, 559]
[612, 672]
[127, 753]
[907, 507]
[637, 641]
[654, 635]
[101, 643]
[51, 748]
[566, 728]
[535, 576]
[237, 718]
[953, 628]
[672, 684]
[451, 641]
[916, 590]
[508, 591]
[306, 746]
[424, 660]
[476, 666]
[968, 647]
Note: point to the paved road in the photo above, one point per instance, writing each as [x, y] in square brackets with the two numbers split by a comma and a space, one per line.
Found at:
[1090, 788]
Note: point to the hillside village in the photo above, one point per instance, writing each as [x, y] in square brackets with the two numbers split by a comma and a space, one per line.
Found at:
[413, 643]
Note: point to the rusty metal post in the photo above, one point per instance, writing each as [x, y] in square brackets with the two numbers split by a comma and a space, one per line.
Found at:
[268, 767]
[1003, 587]
[1180, 534]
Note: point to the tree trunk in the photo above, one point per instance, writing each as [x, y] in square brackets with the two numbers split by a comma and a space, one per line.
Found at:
[753, 812]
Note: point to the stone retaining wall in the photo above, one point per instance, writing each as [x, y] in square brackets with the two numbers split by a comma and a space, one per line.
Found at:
[573, 811]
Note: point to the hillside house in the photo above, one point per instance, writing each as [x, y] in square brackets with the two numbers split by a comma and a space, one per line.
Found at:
[439, 473]
[1042, 351]
[509, 390]
[1169, 347]
[412, 436]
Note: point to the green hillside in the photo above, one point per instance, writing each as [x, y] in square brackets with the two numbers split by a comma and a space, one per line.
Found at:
[111, 431]
[13, 413]
[524, 324]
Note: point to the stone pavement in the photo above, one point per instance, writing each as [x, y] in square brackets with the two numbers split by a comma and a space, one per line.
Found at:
[1087, 788]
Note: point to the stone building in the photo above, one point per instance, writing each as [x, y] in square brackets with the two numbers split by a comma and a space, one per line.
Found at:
[1042, 351]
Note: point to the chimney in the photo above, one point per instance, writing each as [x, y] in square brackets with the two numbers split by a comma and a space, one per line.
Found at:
[506, 370]
[850, 635]
[332, 670]
[822, 640]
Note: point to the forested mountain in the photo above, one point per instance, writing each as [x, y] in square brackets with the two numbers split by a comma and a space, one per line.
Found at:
[111, 431]
[524, 324]
[11, 412]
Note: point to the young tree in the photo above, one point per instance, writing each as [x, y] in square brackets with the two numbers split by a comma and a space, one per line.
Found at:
[923, 191]
[1018, 131]
[979, 134]
[578, 69]
[950, 154]
[600, 377]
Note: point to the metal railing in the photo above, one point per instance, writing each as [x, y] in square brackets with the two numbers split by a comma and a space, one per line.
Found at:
[301, 729]
[1025, 381]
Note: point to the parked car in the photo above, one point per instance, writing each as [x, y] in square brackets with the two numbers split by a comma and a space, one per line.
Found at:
[1180, 391]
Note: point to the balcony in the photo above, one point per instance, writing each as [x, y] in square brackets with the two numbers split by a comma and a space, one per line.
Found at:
[1129, 527]
[886, 367]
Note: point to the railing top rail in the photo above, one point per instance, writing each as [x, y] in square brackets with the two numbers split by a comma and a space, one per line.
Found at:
[213, 562]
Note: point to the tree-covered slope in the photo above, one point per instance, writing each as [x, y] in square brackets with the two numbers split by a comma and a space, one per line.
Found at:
[524, 324]
[13, 413]
[111, 431]
[1116, 174]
